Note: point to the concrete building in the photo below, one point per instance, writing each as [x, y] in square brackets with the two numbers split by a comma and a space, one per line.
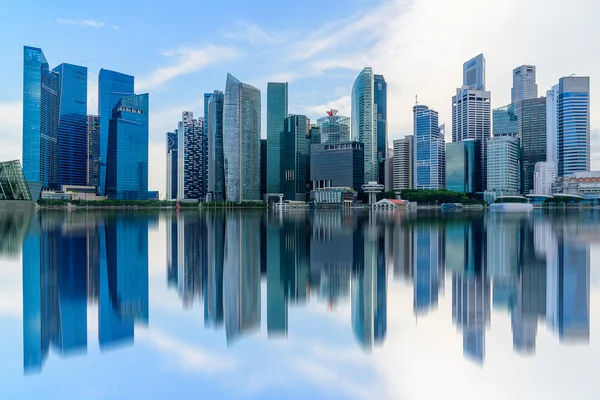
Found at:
[544, 177]
[503, 165]
[190, 172]
[403, 163]
[584, 184]
[474, 73]
[524, 85]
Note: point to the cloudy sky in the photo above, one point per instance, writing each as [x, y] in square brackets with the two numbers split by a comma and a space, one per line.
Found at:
[178, 50]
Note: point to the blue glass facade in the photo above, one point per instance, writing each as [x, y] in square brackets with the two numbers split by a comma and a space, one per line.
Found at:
[573, 125]
[295, 150]
[216, 161]
[277, 111]
[112, 86]
[380, 96]
[505, 121]
[40, 118]
[364, 121]
[172, 162]
[127, 157]
[72, 125]
[429, 152]
[463, 166]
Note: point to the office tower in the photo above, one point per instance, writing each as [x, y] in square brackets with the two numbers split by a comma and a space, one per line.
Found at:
[93, 151]
[127, 157]
[388, 163]
[474, 73]
[532, 132]
[205, 147]
[190, 169]
[568, 124]
[40, 118]
[524, 86]
[263, 167]
[428, 267]
[429, 149]
[503, 164]
[543, 177]
[216, 161]
[241, 140]
[277, 111]
[71, 151]
[295, 162]
[337, 165]
[334, 128]
[463, 166]
[505, 121]
[403, 163]
[380, 99]
[364, 121]
[112, 86]
[172, 162]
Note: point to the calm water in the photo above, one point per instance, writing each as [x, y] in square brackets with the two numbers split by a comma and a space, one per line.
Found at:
[329, 305]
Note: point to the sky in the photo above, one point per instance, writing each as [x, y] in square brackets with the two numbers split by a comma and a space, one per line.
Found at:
[181, 49]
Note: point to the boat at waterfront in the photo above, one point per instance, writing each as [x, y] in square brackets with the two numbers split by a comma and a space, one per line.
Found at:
[511, 204]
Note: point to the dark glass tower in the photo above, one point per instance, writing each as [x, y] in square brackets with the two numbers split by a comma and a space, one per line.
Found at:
[277, 111]
[93, 151]
[172, 158]
[532, 130]
[380, 95]
[295, 161]
[112, 86]
[216, 162]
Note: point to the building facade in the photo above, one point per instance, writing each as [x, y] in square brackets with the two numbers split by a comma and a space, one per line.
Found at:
[532, 132]
[295, 157]
[172, 163]
[112, 86]
[93, 151]
[364, 121]
[543, 178]
[127, 158]
[524, 85]
[463, 166]
[190, 154]
[241, 140]
[380, 100]
[503, 165]
[429, 151]
[334, 128]
[337, 165]
[403, 163]
[216, 158]
[277, 111]
[584, 184]
[505, 121]
[474, 73]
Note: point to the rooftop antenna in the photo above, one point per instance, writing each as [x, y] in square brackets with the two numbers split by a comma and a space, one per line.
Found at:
[416, 99]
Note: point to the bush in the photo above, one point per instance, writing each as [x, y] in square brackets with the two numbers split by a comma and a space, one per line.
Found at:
[436, 196]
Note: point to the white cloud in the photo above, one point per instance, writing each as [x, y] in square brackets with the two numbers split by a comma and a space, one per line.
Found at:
[254, 34]
[85, 23]
[341, 104]
[189, 60]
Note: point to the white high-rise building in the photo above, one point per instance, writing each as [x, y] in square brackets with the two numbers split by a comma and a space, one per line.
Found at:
[524, 86]
[552, 124]
[364, 121]
[403, 163]
[503, 165]
[543, 177]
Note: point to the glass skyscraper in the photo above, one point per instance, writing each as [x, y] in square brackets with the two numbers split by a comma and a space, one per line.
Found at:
[277, 111]
[532, 132]
[337, 165]
[430, 153]
[364, 120]
[127, 157]
[112, 86]
[380, 98]
[40, 118]
[334, 128]
[216, 161]
[172, 162]
[463, 166]
[295, 161]
[241, 140]
[505, 121]
[93, 150]
[72, 125]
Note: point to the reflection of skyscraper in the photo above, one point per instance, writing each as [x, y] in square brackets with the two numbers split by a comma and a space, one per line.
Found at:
[277, 300]
[213, 295]
[403, 250]
[428, 266]
[191, 258]
[241, 274]
[172, 251]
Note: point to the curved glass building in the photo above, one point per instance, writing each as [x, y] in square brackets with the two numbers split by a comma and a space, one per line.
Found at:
[241, 140]
[364, 117]
[334, 128]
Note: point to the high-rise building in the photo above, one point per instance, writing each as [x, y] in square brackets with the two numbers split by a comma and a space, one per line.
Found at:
[112, 86]
[364, 121]
[403, 163]
[505, 121]
[216, 161]
[263, 167]
[277, 111]
[543, 177]
[532, 132]
[524, 86]
[72, 125]
[430, 151]
[474, 73]
[552, 124]
[93, 151]
[388, 171]
[334, 128]
[503, 165]
[190, 169]
[127, 157]
[571, 124]
[241, 139]
[337, 165]
[295, 156]
[172, 162]
[40, 118]
[380, 99]
[463, 166]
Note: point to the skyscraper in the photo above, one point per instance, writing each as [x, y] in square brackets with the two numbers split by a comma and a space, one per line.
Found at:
[524, 86]
[277, 111]
[334, 128]
[190, 171]
[532, 132]
[72, 125]
[380, 99]
[93, 151]
[430, 148]
[295, 161]
[241, 139]
[112, 86]
[216, 162]
[364, 120]
[505, 121]
[403, 163]
[503, 165]
[552, 124]
[474, 73]
[172, 162]
[337, 165]
[40, 118]
[463, 166]
[127, 157]
[543, 177]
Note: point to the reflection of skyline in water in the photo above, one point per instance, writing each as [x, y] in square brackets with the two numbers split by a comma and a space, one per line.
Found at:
[534, 268]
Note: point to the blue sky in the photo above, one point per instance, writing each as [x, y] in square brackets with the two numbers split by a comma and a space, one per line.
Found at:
[178, 50]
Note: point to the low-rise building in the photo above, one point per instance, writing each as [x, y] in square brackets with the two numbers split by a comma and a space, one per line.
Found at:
[585, 184]
[338, 196]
